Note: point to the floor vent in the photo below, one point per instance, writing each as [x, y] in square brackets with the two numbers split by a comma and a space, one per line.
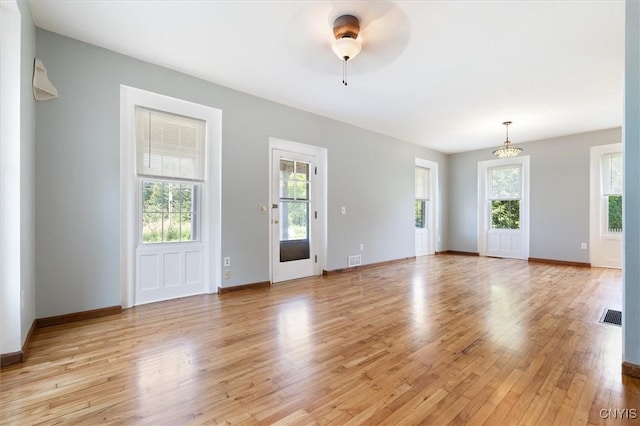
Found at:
[613, 317]
[355, 261]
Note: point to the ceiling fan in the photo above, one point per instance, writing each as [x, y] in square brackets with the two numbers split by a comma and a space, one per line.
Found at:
[377, 32]
[346, 45]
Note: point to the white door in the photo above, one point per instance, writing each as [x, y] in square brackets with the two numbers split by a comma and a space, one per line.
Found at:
[171, 164]
[606, 206]
[611, 210]
[170, 226]
[503, 208]
[293, 215]
[426, 175]
[423, 237]
[170, 255]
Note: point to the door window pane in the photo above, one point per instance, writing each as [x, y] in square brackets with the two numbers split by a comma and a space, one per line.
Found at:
[294, 221]
[172, 227]
[612, 174]
[302, 190]
[302, 171]
[168, 210]
[419, 212]
[294, 231]
[294, 210]
[294, 180]
[614, 213]
[169, 145]
[286, 169]
[505, 182]
[505, 214]
[422, 186]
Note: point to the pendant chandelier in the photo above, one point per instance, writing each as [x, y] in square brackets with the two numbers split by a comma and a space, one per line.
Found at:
[507, 151]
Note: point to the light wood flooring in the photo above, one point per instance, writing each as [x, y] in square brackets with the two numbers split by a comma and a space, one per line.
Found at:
[436, 340]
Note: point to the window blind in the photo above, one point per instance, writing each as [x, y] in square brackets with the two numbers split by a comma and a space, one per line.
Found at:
[505, 183]
[422, 185]
[612, 174]
[169, 145]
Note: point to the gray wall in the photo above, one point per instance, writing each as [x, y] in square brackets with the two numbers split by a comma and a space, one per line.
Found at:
[559, 191]
[631, 262]
[77, 179]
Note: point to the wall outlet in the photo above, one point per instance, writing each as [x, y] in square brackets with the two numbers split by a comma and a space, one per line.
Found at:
[361, 246]
[227, 261]
[343, 210]
[583, 246]
[227, 275]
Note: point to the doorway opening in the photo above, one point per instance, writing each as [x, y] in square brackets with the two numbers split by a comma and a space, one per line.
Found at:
[503, 208]
[425, 208]
[170, 220]
[298, 210]
[605, 233]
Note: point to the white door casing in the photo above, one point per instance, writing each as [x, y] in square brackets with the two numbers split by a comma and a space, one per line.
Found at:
[157, 272]
[605, 247]
[425, 237]
[510, 243]
[286, 268]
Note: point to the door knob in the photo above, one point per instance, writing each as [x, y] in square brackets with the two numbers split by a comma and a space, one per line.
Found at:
[276, 221]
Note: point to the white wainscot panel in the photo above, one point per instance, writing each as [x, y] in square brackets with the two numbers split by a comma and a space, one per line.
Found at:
[612, 251]
[171, 263]
[149, 272]
[193, 267]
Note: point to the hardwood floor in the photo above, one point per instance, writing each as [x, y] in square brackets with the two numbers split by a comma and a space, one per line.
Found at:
[437, 340]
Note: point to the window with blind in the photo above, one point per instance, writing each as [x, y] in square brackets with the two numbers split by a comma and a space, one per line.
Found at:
[612, 173]
[422, 195]
[504, 194]
[170, 160]
[169, 145]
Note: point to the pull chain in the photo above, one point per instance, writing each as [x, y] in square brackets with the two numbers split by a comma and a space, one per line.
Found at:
[344, 70]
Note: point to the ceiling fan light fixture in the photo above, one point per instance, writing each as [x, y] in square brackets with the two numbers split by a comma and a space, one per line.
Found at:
[507, 150]
[346, 44]
[346, 48]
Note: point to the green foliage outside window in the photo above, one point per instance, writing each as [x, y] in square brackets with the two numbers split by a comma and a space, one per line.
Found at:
[294, 200]
[419, 214]
[295, 220]
[615, 213]
[167, 212]
[505, 214]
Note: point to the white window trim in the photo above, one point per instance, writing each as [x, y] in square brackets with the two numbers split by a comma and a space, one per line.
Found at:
[483, 210]
[198, 187]
[320, 200]
[211, 192]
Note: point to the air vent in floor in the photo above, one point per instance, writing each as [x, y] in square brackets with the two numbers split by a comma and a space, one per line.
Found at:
[612, 317]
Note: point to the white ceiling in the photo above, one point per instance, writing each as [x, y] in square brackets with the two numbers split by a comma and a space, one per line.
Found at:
[442, 74]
